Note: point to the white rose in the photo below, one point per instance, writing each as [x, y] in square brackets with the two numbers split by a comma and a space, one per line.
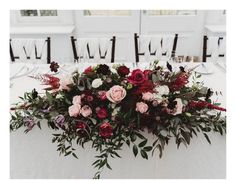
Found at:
[158, 98]
[96, 83]
[162, 90]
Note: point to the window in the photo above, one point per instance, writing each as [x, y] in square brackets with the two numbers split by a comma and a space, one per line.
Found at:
[29, 17]
[38, 13]
[171, 12]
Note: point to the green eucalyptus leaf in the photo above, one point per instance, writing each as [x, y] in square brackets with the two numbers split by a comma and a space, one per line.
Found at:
[144, 154]
[135, 150]
[143, 143]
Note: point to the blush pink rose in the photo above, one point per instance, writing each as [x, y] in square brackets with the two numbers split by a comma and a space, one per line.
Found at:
[74, 110]
[148, 96]
[116, 94]
[141, 107]
[76, 100]
[86, 111]
[102, 95]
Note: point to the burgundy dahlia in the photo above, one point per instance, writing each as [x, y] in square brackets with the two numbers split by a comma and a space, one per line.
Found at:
[80, 125]
[54, 66]
[101, 113]
[103, 69]
[105, 130]
[123, 71]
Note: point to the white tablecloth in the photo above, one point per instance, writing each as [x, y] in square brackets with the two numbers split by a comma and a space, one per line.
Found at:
[34, 156]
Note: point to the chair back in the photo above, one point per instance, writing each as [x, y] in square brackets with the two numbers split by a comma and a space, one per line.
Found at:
[155, 46]
[93, 48]
[29, 50]
[214, 47]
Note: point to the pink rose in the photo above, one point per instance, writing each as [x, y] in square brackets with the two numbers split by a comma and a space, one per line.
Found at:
[86, 111]
[178, 106]
[74, 110]
[76, 100]
[116, 94]
[141, 107]
[148, 96]
[64, 82]
[102, 95]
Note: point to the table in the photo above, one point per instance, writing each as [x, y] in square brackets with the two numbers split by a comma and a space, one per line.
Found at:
[34, 156]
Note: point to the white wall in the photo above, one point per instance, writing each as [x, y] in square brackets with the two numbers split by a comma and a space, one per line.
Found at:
[190, 42]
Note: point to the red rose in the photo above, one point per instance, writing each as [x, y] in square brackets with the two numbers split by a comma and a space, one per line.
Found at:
[123, 71]
[105, 130]
[101, 113]
[80, 125]
[88, 70]
[137, 77]
[147, 72]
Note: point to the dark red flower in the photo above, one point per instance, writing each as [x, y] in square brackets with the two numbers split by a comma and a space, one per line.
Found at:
[147, 72]
[88, 70]
[123, 71]
[80, 125]
[101, 113]
[102, 95]
[54, 66]
[147, 86]
[103, 69]
[89, 98]
[52, 81]
[137, 77]
[105, 130]
[180, 81]
[203, 104]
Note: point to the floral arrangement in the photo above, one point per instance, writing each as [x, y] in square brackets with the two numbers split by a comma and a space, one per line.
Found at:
[112, 107]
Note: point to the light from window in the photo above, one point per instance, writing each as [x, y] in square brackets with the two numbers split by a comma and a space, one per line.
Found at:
[170, 12]
[107, 12]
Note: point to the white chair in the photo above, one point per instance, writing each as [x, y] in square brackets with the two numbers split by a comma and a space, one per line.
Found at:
[30, 50]
[153, 47]
[94, 49]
